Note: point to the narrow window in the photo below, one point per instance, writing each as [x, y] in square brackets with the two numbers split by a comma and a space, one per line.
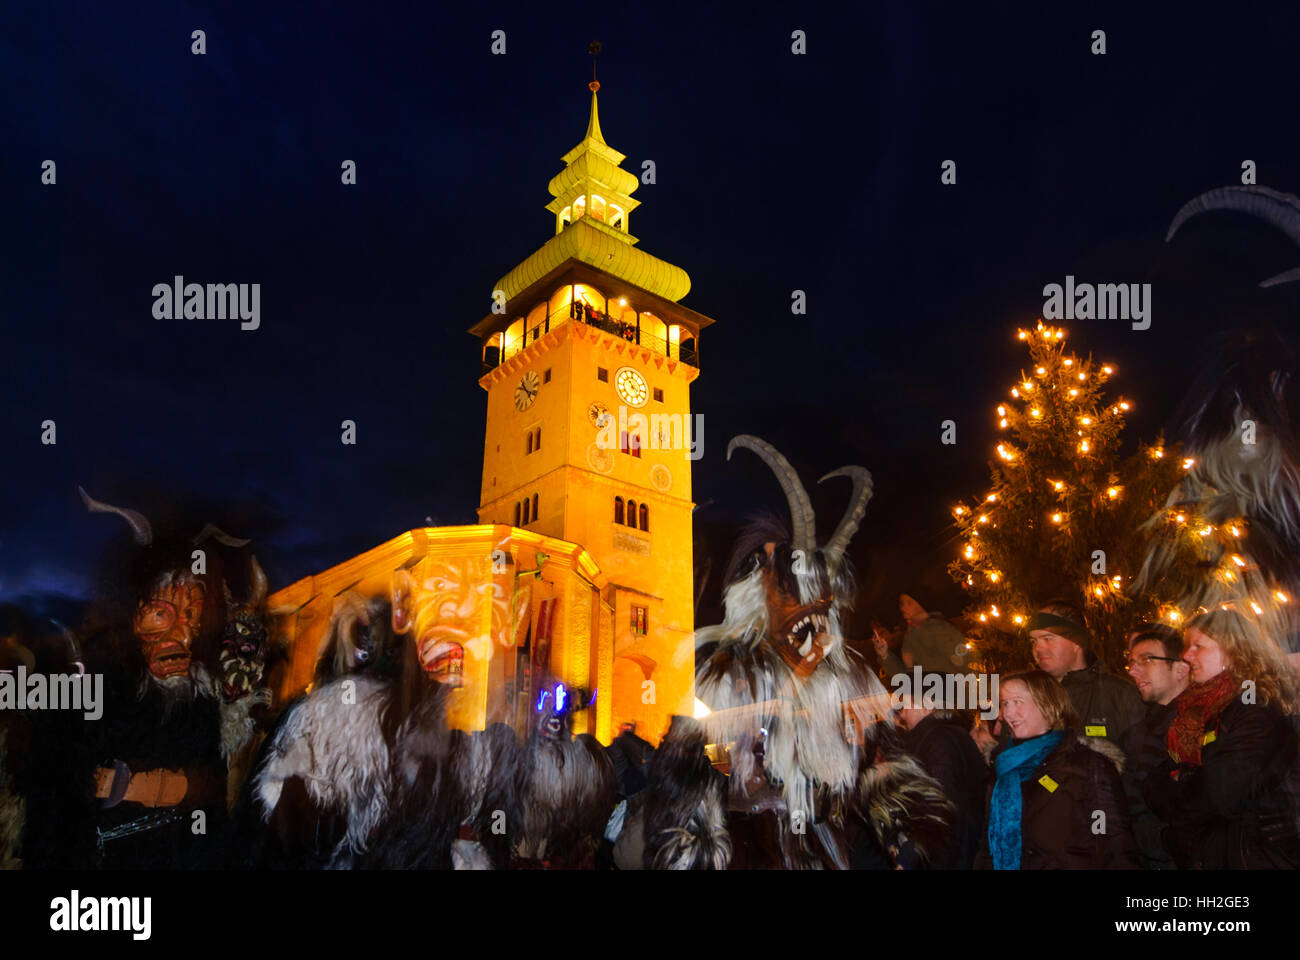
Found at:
[645, 518]
[635, 441]
[639, 621]
[517, 515]
[618, 509]
[529, 447]
[602, 375]
[631, 514]
[537, 444]
[534, 506]
[622, 441]
[546, 375]
[659, 394]
[525, 512]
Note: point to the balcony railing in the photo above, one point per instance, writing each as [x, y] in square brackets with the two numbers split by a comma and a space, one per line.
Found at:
[578, 312]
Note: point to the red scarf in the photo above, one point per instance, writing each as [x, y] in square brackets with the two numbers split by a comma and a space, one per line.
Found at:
[1196, 710]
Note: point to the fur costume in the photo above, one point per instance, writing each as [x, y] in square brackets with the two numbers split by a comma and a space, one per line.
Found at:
[679, 821]
[805, 723]
[332, 742]
[564, 788]
[143, 785]
[245, 698]
[1238, 544]
[362, 771]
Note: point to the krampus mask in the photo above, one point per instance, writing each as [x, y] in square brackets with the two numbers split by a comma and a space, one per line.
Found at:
[776, 673]
[172, 605]
[246, 641]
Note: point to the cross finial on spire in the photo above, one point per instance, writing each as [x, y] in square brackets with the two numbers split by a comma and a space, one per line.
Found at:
[593, 48]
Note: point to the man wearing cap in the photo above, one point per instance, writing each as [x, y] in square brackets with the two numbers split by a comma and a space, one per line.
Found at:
[1107, 705]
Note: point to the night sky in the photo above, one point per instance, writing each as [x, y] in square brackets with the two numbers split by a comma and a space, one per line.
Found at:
[775, 172]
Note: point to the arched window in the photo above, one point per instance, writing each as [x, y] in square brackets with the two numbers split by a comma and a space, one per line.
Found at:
[537, 443]
[529, 447]
[631, 514]
[618, 509]
[525, 512]
[534, 506]
[645, 518]
[517, 515]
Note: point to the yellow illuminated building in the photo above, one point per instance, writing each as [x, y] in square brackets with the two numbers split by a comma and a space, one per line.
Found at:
[583, 555]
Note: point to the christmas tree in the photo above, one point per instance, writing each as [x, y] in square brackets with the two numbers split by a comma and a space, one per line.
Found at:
[1064, 515]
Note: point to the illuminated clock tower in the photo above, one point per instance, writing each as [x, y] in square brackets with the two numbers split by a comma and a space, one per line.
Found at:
[587, 367]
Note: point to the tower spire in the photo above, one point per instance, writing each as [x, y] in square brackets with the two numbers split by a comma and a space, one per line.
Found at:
[593, 125]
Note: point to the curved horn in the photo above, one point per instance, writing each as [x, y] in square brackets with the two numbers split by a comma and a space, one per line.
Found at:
[69, 638]
[141, 531]
[801, 511]
[219, 535]
[259, 585]
[1282, 210]
[862, 490]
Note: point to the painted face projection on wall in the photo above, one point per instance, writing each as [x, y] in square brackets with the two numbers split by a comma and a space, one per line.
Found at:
[454, 610]
[167, 622]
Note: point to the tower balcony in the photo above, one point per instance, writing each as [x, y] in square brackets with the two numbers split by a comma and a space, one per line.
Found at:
[500, 347]
[576, 292]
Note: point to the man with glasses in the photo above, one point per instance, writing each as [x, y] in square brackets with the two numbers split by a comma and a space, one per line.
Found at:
[1155, 663]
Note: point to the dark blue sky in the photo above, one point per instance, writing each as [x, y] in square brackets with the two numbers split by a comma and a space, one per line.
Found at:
[775, 172]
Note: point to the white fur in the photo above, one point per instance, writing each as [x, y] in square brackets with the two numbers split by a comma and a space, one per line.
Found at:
[338, 749]
[806, 749]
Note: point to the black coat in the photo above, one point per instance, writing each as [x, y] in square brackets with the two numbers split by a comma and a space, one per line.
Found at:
[944, 747]
[1107, 705]
[1238, 809]
[1056, 824]
[1144, 747]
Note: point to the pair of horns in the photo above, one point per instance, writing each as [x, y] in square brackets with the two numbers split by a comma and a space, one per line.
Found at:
[142, 530]
[801, 512]
[1282, 210]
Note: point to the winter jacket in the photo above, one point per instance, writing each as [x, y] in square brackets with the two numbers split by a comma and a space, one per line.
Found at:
[1144, 750]
[1238, 809]
[1060, 804]
[944, 747]
[1107, 705]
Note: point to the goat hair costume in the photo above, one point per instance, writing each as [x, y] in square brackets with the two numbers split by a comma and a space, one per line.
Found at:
[816, 769]
[1243, 482]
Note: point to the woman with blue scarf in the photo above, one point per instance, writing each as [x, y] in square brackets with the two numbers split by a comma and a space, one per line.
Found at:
[1058, 802]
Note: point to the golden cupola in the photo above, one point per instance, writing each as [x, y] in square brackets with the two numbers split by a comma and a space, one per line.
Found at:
[592, 205]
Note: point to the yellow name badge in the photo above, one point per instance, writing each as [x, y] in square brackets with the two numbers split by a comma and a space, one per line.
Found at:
[1048, 783]
[1209, 738]
[1094, 730]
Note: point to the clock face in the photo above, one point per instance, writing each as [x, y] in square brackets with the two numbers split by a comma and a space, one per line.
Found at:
[631, 387]
[596, 413]
[526, 392]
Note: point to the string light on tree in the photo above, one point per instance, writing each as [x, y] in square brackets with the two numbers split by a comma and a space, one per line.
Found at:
[1061, 490]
